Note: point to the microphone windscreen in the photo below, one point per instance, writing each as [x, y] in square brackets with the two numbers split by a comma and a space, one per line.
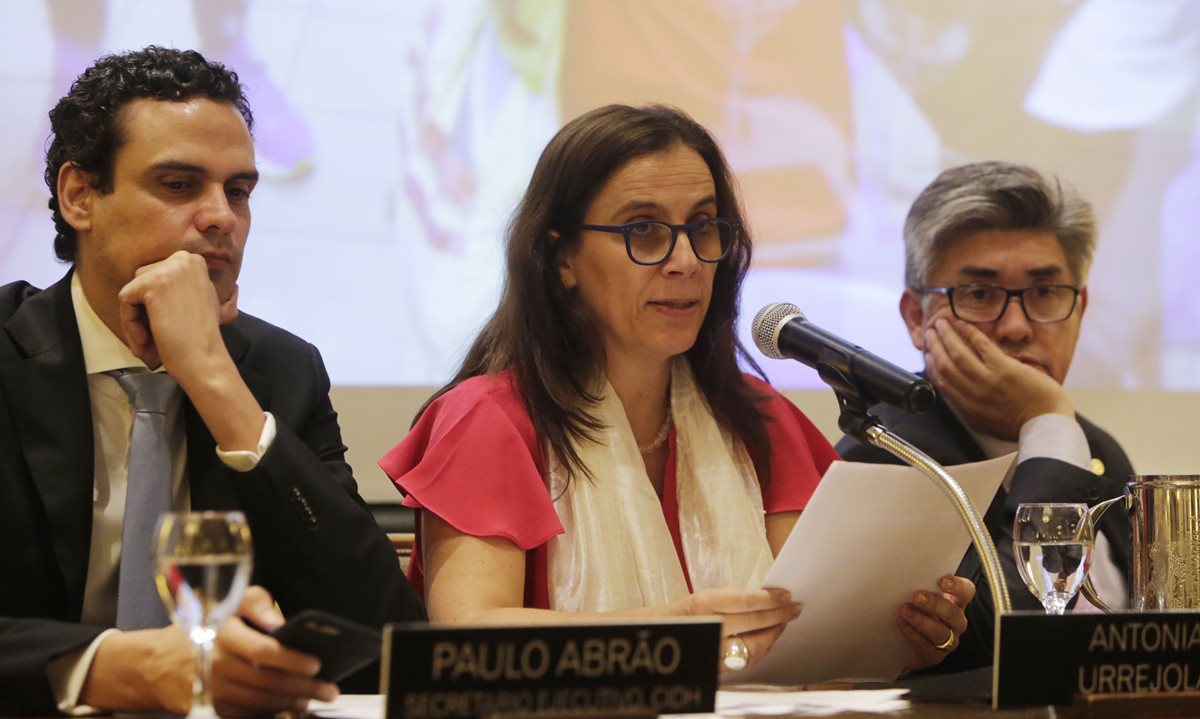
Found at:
[768, 322]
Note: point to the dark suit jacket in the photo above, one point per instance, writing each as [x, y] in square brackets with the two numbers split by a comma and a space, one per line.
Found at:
[940, 434]
[315, 542]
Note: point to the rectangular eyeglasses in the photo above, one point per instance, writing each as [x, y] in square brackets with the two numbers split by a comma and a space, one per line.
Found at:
[652, 242]
[980, 303]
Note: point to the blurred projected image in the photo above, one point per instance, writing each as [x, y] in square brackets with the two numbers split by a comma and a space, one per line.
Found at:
[395, 138]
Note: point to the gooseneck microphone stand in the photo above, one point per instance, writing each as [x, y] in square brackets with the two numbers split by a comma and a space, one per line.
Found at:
[855, 422]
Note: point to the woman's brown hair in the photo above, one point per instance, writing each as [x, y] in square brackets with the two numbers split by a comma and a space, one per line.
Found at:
[541, 333]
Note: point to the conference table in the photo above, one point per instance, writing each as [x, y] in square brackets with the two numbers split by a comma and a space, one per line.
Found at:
[364, 707]
[964, 695]
[915, 711]
[961, 696]
[372, 707]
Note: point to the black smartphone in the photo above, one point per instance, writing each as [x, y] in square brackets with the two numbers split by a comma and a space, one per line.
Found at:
[343, 646]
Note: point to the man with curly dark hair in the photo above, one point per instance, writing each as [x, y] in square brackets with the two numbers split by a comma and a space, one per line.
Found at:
[150, 171]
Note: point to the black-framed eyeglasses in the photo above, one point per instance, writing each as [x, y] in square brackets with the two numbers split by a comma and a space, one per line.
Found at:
[980, 303]
[650, 242]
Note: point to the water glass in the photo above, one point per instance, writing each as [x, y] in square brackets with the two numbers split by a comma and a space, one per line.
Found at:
[1053, 545]
[203, 566]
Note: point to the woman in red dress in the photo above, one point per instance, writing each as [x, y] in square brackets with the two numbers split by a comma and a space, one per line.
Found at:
[600, 451]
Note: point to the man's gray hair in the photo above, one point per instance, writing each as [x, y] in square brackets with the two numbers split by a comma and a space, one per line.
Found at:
[995, 196]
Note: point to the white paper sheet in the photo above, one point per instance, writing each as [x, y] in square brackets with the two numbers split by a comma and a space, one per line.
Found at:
[810, 703]
[350, 706]
[870, 536]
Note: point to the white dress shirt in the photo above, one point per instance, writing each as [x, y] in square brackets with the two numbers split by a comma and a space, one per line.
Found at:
[112, 427]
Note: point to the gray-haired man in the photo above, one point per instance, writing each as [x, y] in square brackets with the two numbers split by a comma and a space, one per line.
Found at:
[996, 263]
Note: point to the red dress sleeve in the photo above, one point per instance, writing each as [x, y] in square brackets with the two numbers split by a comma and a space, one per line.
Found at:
[800, 454]
[473, 460]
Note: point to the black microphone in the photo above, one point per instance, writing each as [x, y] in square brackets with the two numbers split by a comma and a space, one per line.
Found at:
[781, 330]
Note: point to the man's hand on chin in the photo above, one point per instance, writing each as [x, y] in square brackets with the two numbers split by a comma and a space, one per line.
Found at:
[995, 393]
[170, 315]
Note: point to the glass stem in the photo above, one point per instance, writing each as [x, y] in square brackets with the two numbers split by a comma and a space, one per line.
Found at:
[1056, 603]
[202, 684]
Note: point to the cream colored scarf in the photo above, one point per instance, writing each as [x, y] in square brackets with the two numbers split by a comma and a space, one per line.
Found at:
[616, 551]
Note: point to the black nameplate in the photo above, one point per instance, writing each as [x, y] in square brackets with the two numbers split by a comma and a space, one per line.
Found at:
[435, 672]
[1042, 659]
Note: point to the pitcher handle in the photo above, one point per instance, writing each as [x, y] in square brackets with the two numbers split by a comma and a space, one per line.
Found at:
[1087, 589]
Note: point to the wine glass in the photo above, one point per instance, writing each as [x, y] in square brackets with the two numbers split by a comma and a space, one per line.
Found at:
[1053, 547]
[203, 567]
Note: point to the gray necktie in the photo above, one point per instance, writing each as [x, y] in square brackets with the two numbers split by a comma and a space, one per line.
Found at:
[147, 496]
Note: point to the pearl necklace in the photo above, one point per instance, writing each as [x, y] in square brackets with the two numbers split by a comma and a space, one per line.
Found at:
[659, 438]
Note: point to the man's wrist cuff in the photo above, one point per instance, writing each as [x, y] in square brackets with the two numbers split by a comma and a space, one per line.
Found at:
[245, 460]
[1054, 436]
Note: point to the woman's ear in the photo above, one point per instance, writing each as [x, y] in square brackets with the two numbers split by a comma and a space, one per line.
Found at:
[566, 272]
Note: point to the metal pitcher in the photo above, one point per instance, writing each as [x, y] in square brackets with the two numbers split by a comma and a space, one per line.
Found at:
[1164, 511]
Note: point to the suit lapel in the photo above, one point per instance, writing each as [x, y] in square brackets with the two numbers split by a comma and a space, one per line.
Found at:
[939, 433]
[961, 439]
[49, 401]
[239, 350]
[207, 475]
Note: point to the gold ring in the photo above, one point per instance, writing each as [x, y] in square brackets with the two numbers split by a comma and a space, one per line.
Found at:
[945, 646]
[737, 654]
